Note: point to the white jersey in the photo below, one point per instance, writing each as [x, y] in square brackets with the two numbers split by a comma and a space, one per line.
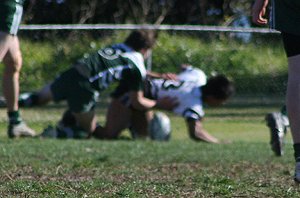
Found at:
[193, 74]
[187, 91]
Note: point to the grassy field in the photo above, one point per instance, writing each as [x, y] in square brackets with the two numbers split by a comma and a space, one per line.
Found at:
[246, 167]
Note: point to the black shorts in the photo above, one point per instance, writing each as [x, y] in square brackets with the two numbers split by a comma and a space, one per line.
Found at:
[291, 44]
[75, 89]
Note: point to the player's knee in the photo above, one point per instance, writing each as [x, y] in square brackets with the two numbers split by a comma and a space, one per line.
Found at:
[111, 132]
[105, 133]
[13, 64]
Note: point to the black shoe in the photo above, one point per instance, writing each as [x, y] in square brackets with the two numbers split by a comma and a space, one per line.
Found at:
[297, 173]
[49, 132]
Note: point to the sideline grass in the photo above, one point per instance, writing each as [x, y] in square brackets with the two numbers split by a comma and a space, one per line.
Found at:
[124, 168]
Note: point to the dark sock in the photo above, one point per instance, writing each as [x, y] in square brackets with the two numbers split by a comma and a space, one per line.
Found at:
[68, 119]
[34, 99]
[71, 132]
[297, 152]
[14, 117]
[284, 111]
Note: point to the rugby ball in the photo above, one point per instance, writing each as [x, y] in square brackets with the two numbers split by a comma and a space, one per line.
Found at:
[160, 127]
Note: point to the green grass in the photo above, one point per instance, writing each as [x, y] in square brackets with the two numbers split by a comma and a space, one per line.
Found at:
[246, 167]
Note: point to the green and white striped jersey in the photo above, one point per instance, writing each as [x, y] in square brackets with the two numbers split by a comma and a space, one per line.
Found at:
[109, 65]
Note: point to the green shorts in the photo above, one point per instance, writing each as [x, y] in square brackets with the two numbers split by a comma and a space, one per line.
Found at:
[10, 17]
[76, 90]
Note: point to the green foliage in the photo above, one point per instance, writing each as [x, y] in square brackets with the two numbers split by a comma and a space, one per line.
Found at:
[44, 60]
[223, 56]
[244, 63]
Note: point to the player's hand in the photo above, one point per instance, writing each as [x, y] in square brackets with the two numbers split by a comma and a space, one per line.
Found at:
[166, 76]
[167, 103]
[259, 11]
[169, 76]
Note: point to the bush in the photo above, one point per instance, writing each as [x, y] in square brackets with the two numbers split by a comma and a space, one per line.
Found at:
[256, 67]
[247, 64]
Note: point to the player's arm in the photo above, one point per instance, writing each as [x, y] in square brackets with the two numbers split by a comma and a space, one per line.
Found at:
[139, 102]
[166, 76]
[197, 132]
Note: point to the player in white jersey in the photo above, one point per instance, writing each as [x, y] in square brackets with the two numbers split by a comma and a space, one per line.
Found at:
[190, 73]
[186, 89]
[191, 90]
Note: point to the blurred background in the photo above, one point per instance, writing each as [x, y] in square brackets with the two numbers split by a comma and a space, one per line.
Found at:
[254, 60]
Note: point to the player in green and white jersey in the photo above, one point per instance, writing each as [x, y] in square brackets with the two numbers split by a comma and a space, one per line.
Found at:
[285, 17]
[10, 54]
[80, 84]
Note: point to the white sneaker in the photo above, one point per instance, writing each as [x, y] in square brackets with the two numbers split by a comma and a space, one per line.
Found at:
[297, 172]
[20, 130]
[278, 128]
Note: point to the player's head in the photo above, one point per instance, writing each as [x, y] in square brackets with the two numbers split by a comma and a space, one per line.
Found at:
[217, 90]
[141, 40]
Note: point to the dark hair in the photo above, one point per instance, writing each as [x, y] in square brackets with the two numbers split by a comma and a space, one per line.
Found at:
[141, 39]
[220, 87]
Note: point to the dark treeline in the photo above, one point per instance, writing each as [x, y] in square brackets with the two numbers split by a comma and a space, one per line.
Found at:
[205, 12]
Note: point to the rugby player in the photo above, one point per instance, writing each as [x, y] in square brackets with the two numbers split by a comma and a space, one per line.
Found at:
[191, 89]
[10, 54]
[80, 85]
[285, 17]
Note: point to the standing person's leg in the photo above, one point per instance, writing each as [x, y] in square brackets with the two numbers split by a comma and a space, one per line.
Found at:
[10, 54]
[293, 97]
[4, 44]
[293, 108]
[13, 63]
[292, 48]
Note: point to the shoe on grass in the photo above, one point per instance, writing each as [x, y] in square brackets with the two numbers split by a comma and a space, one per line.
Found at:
[49, 132]
[278, 128]
[297, 173]
[20, 130]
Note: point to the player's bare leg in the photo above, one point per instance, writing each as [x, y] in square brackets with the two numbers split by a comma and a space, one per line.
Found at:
[11, 56]
[86, 121]
[117, 119]
[44, 95]
[139, 123]
[12, 60]
[293, 107]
